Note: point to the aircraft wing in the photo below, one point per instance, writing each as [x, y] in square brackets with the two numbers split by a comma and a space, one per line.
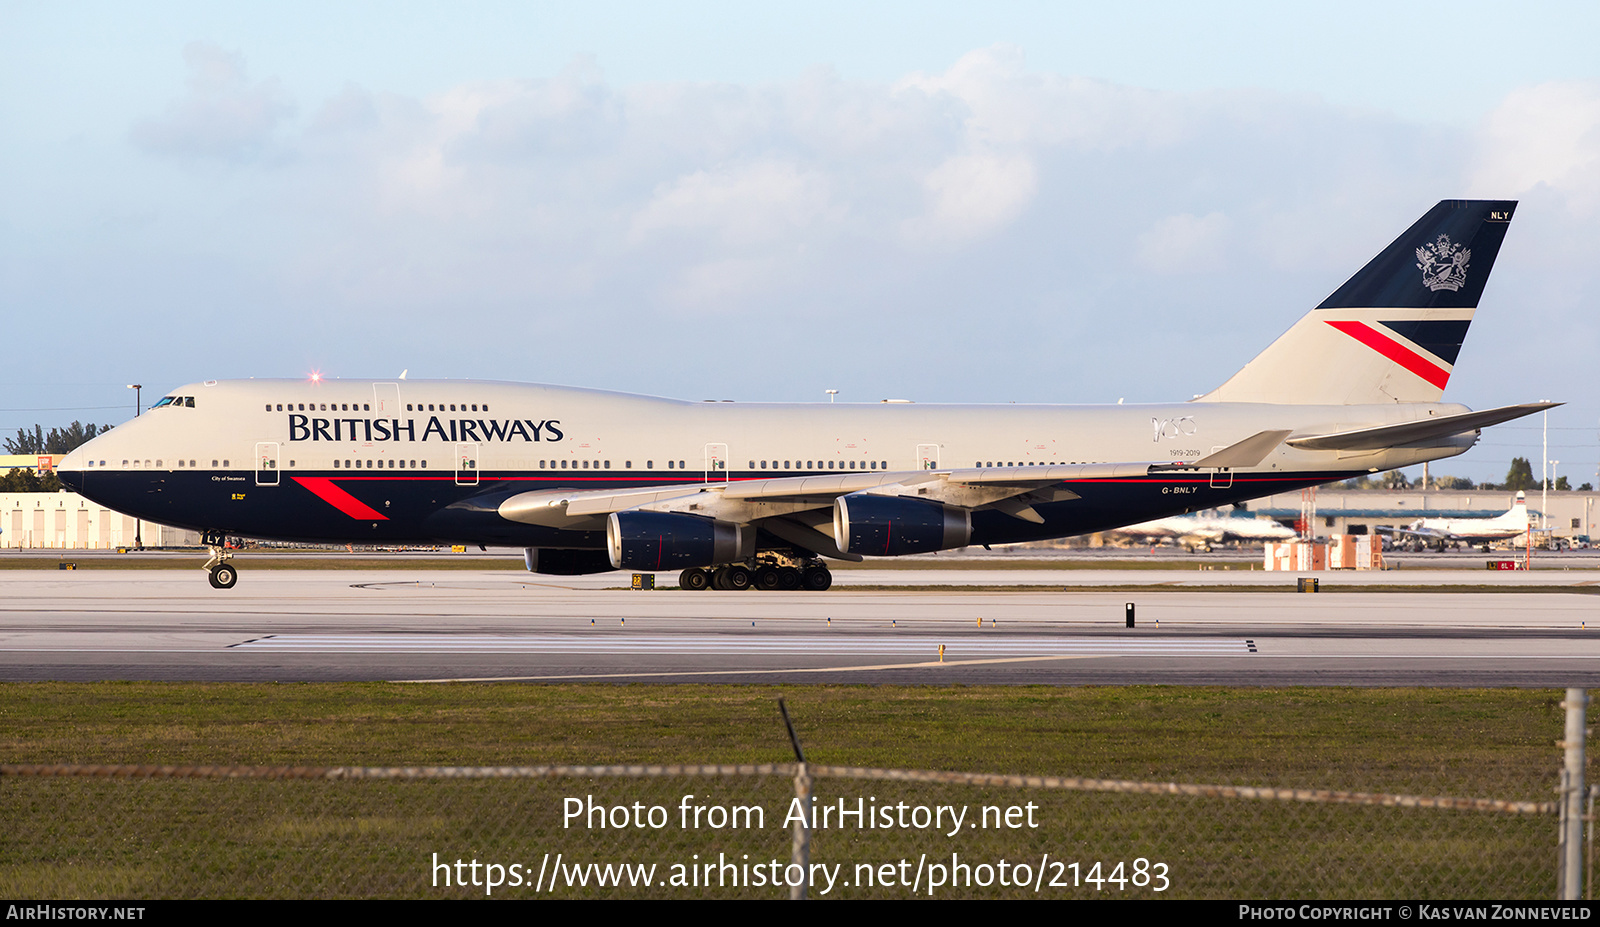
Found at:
[1430, 533]
[1012, 490]
[751, 500]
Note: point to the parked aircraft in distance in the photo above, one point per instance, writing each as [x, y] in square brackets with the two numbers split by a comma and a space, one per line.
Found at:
[1206, 529]
[741, 494]
[1509, 524]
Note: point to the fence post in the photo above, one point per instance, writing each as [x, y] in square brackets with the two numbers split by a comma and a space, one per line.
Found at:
[1588, 846]
[800, 851]
[1569, 884]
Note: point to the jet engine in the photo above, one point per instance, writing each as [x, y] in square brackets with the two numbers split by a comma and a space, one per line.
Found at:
[671, 541]
[890, 526]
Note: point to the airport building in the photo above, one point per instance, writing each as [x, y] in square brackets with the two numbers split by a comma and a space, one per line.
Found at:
[38, 463]
[68, 521]
[1332, 510]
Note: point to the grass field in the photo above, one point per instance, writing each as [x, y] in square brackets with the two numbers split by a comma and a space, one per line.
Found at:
[79, 838]
[1374, 739]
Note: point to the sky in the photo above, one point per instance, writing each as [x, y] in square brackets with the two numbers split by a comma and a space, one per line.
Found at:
[1029, 202]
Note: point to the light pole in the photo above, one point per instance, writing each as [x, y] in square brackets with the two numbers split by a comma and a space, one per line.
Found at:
[831, 393]
[1544, 478]
[138, 524]
[1550, 533]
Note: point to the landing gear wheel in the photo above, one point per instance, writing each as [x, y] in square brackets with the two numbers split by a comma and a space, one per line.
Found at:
[788, 578]
[768, 578]
[220, 574]
[817, 579]
[733, 577]
[694, 580]
[223, 576]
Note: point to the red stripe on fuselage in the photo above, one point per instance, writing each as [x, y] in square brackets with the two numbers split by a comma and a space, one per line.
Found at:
[1395, 351]
[324, 489]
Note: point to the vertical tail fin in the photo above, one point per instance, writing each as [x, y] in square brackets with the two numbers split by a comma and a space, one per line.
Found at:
[1392, 332]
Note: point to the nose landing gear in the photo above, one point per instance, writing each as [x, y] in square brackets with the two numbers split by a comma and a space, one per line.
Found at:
[219, 571]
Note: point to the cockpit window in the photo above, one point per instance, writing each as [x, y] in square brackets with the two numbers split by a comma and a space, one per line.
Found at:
[165, 401]
[188, 402]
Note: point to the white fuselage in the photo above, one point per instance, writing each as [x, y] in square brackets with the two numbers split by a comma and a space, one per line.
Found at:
[362, 460]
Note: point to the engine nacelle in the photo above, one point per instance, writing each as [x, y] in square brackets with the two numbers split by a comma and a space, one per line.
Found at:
[671, 541]
[890, 526]
[561, 561]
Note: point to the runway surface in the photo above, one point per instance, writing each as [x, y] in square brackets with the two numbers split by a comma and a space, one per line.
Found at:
[398, 625]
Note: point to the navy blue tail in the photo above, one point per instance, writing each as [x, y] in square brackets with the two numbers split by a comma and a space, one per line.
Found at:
[1441, 262]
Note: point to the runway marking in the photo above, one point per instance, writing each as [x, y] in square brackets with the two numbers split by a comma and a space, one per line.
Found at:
[759, 672]
[608, 642]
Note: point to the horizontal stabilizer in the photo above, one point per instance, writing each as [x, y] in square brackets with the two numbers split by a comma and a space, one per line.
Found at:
[1363, 439]
[1246, 453]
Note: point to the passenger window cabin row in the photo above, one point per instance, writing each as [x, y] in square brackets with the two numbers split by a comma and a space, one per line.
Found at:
[354, 406]
[553, 464]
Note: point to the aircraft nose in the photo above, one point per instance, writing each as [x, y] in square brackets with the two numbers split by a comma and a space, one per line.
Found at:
[70, 470]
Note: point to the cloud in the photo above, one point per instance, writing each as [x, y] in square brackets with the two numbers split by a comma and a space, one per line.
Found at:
[985, 232]
[972, 196]
[738, 206]
[1185, 243]
[223, 117]
[1544, 136]
[351, 110]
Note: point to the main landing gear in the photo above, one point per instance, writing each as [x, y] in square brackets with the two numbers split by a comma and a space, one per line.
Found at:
[219, 571]
[811, 575]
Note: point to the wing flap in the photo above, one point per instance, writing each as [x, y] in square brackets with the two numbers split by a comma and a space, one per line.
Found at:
[755, 500]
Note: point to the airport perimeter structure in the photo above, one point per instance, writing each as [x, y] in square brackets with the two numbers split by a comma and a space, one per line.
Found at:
[770, 830]
[363, 831]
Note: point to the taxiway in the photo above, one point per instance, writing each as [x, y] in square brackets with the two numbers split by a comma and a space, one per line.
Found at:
[290, 625]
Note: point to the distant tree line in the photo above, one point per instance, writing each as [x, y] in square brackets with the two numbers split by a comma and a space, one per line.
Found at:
[23, 479]
[57, 441]
[1519, 477]
[38, 441]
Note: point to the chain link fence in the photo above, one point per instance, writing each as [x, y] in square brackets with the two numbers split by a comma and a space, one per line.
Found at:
[767, 831]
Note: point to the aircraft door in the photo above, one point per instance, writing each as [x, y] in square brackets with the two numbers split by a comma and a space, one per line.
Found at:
[716, 463]
[266, 463]
[466, 464]
[927, 457]
[386, 399]
[1222, 477]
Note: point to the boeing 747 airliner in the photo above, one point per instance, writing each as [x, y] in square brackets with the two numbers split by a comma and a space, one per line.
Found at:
[736, 495]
